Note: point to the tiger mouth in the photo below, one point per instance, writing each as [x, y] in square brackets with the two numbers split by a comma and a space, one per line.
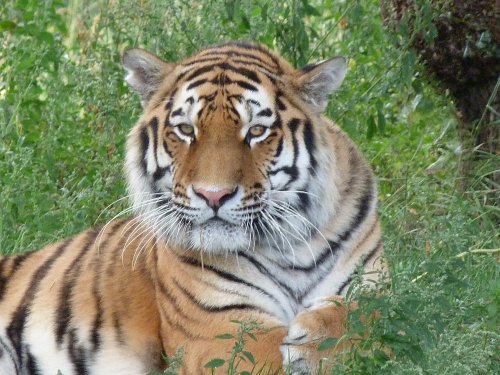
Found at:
[217, 222]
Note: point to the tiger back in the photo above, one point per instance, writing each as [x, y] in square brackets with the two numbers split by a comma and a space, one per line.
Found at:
[250, 205]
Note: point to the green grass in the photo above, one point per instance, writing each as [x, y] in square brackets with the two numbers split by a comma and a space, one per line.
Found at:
[65, 113]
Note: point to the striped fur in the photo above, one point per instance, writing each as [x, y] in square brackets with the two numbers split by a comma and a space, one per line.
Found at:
[249, 204]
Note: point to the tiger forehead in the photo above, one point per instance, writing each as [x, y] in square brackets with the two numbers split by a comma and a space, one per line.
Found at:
[240, 102]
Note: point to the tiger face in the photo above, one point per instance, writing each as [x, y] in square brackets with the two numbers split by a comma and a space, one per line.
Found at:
[227, 147]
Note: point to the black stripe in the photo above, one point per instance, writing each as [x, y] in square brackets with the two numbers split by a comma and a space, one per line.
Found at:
[252, 47]
[201, 60]
[211, 308]
[72, 272]
[95, 336]
[263, 270]
[31, 364]
[2, 264]
[291, 171]
[236, 306]
[279, 149]
[174, 303]
[328, 252]
[77, 353]
[179, 327]
[178, 312]
[16, 326]
[246, 85]
[17, 261]
[293, 124]
[265, 113]
[3, 279]
[310, 143]
[227, 276]
[251, 75]
[241, 58]
[160, 173]
[117, 325]
[177, 112]
[197, 83]
[346, 282]
[304, 201]
[363, 208]
[197, 72]
[153, 123]
[267, 69]
[372, 252]
[144, 148]
[355, 273]
[279, 103]
[234, 111]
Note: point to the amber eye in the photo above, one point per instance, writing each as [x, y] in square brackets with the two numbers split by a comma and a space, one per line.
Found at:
[256, 131]
[186, 129]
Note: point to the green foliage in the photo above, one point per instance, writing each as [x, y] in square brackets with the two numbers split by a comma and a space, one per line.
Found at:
[65, 113]
[246, 329]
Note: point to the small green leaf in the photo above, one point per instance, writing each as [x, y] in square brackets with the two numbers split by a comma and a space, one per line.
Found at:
[252, 336]
[370, 131]
[380, 356]
[244, 23]
[214, 363]
[249, 356]
[7, 25]
[380, 118]
[225, 336]
[309, 9]
[329, 343]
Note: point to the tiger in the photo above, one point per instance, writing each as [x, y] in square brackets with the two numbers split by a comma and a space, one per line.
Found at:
[250, 205]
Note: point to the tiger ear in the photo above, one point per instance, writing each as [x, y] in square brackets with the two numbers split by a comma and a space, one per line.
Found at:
[318, 81]
[145, 72]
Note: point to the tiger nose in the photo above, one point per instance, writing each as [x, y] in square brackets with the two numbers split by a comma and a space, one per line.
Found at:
[215, 198]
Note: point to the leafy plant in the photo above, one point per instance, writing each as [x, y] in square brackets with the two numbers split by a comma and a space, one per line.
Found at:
[246, 329]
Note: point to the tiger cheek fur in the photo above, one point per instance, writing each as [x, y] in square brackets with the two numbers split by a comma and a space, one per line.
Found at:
[249, 205]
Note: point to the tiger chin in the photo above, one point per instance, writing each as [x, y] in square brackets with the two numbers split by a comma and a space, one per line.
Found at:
[249, 204]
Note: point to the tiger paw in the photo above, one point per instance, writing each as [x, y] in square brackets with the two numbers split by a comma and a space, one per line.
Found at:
[305, 334]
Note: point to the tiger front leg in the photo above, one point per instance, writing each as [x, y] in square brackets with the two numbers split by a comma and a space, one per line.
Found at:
[307, 331]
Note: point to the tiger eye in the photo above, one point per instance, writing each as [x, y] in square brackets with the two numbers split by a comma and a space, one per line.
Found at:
[257, 130]
[186, 129]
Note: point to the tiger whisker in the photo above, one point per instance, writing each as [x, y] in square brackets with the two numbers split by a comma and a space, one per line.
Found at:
[145, 224]
[276, 226]
[121, 213]
[295, 192]
[145, 218]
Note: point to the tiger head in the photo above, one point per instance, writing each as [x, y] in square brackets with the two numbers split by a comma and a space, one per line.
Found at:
[231, 151]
